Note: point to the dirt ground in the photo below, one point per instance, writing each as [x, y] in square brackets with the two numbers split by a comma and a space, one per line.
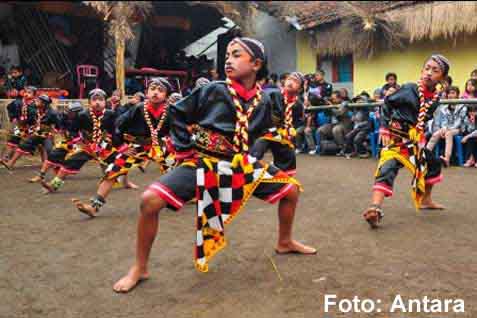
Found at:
[56, 263]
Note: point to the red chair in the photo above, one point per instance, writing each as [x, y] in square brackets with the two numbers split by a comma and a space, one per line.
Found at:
[86, 75]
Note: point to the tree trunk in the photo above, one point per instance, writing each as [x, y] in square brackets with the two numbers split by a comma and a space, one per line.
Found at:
[120, 68]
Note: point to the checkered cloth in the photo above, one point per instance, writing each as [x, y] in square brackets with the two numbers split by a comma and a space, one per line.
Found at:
[223, 188]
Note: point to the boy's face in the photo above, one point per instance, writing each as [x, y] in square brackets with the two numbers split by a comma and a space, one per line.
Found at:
[98, 103]
[16, 73]
[318, 76]
[156, 94]
[336, 99]
[292, 85]
[239, 63]
[431, 73]
[39, 103]
[391, 80]
[29, 94]
[452, 94]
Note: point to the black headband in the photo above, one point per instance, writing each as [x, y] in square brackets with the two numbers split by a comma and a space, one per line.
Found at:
[253, 47]
[161, 82]
[442, 61]
[97, 92]
[299, 76]
[31, 88]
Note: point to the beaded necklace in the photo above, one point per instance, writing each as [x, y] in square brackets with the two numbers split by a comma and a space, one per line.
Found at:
[425, 104]
[240, 140]
[155, 130]
[289, 102]
[97, 134]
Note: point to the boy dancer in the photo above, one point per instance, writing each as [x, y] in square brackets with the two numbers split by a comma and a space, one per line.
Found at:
[288, 113]
[96, 126]
[403, 118]
[22, 114]
[69, 130]
[139, 131]
[212, 130]
[46, 119]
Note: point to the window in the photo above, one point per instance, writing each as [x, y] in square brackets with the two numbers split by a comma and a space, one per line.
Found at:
[343, 69]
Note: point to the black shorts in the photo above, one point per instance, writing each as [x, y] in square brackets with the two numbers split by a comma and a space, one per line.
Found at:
[178, 186]
[284, 157]
[29, 145]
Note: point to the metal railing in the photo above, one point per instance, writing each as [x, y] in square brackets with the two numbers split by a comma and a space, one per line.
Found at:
[472, 102]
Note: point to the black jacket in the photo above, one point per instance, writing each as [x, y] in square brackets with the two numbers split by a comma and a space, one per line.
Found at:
[211, 107]
[403, 106]
[15, 110]
[86, 123]
[279, 108]
[70, 128]
[133, 123]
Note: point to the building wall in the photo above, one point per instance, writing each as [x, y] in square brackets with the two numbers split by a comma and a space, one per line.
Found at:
[407, 63]
[279, 40]
[306, 57]
[307, 62]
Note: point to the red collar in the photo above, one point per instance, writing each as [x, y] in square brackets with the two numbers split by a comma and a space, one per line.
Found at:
[289, 99]
[243, 92]
[155, 112]
[427, 93]
[98, 113]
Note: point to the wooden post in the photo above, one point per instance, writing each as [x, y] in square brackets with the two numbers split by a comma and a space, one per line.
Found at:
[120, 67]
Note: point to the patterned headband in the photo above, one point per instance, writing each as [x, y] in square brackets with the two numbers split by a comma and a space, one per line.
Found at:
[442, 61]
[253, 47]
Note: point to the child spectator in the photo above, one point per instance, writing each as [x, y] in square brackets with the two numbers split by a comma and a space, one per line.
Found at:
[450, 122]
[16, 82]
[473, 75]
[470, 89]
[344, 94]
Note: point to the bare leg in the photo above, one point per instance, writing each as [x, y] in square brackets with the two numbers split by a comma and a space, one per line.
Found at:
[44, 169]
[147, 227]
[427, 203]
[103, 191]
[286, 214]
[11, 163]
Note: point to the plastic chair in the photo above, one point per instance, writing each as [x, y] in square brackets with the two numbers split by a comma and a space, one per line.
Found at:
[374, 136]
[84, 74]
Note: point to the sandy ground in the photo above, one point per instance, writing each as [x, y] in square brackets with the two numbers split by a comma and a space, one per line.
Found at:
[56, 263]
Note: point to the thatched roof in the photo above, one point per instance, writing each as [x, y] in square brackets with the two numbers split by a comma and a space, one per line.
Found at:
[365, 27]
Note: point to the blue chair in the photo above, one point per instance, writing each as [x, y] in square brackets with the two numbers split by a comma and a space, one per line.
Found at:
[374, 135]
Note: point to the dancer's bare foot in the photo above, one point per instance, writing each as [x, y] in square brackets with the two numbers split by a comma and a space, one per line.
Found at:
[430, 205]
[131, 280]
[85, 208]
[35, 179]
[373, 216]
[294, 247]
[5, 164]
[130, 185]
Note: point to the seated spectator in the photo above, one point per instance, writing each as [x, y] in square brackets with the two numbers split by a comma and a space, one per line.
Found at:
[470, 138]
[304, 134]
[450, 123]
[344, 94]
[356, 138]
[391, 83]
[16, 82]
[271, 82]
[377, 94]
[470, 89]
[340, 124]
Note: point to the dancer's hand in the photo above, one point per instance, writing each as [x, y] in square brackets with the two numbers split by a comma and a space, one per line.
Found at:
[464, 140]
[386, 140]
[130, 152]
